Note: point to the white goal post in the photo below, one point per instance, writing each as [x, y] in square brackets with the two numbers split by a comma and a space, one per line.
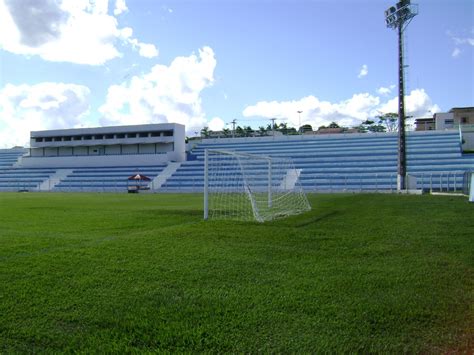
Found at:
[251, 187]
[468, 185]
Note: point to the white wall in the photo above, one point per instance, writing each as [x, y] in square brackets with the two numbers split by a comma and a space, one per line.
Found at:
[440, 120]
[468, 140]
[153, 150]
[99, 160]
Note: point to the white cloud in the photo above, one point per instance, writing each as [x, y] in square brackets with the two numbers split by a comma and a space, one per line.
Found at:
[384, 91]
[165, 94]
[350, 112]
[456, 52]
[148, 50]
[460, 42]
[26, 108]
[363, 71]
[216, 124]
[120, 7]
[76, 31]
[417, 104]
[144, 49]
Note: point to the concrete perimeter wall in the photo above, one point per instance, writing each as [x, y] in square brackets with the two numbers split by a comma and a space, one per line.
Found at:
[101, 161]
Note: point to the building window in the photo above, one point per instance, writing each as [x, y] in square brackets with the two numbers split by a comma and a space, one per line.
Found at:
[87, 138]
[449, 121]
[109, 136]
[76, 138]
[463, 120]
[38, 140]
[143, 134]
[120, 135]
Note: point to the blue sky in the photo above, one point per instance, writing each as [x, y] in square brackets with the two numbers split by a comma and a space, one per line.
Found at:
[86, 63]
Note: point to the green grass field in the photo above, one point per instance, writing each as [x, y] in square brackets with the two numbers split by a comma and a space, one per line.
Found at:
[141, 273]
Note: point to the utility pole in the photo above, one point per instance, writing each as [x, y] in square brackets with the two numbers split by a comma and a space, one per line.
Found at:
[234, 121]
[273, 126]
[398, 17]
[299, 120]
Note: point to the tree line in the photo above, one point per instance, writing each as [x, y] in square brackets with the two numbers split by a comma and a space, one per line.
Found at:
[383, 123]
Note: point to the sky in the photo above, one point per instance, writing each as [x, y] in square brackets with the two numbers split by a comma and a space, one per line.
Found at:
[203, 63]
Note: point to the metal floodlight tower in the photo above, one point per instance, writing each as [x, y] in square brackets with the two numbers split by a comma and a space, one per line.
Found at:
[398, 17]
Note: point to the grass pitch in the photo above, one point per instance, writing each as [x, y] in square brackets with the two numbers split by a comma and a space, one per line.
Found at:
[128, 273]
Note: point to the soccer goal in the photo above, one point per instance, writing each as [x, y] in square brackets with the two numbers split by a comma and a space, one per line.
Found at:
[251, 187]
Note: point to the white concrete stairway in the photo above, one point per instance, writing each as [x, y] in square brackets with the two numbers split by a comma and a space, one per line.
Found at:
[49, 184]
[164, 175]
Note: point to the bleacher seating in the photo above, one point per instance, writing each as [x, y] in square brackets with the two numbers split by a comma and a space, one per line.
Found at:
[107, 179]
[347, 162]
[18, 179]
[80, 179]
[332, 163]
[8, 157]
[22, 179]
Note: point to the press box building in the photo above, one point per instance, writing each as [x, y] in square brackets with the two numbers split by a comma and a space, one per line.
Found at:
[143, 145]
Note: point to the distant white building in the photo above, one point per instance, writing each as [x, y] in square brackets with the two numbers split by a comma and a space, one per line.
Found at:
[444, 120]
[143, 145]
[457, 116]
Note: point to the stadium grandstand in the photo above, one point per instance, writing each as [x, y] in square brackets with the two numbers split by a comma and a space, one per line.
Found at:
[101, 159]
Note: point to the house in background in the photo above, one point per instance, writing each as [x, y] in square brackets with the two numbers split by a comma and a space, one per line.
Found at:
[461, 118]
[425, 124]
[457, 116]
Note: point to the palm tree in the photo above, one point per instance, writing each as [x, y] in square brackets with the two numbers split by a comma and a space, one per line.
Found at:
[283, 128]
[248, 131]
[205, 132]
[239, 131]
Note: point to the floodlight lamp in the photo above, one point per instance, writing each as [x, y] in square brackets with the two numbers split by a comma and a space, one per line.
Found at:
[401, 14]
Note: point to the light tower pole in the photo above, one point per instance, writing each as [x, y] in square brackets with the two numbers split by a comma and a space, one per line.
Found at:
[398, 17]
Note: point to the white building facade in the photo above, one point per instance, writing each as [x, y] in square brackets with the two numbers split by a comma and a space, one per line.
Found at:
[144, 145]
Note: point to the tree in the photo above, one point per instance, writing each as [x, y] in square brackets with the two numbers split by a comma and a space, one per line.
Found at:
[306, 128]
[205, 132]
[248, 131]
[262, 131]
[333, 125]
[291, 131]
[239, 131]
[226, 132]
[370, 126]
[283, 128]
[389, 121]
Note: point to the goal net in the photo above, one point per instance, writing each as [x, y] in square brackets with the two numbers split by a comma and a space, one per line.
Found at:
[251, 187]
